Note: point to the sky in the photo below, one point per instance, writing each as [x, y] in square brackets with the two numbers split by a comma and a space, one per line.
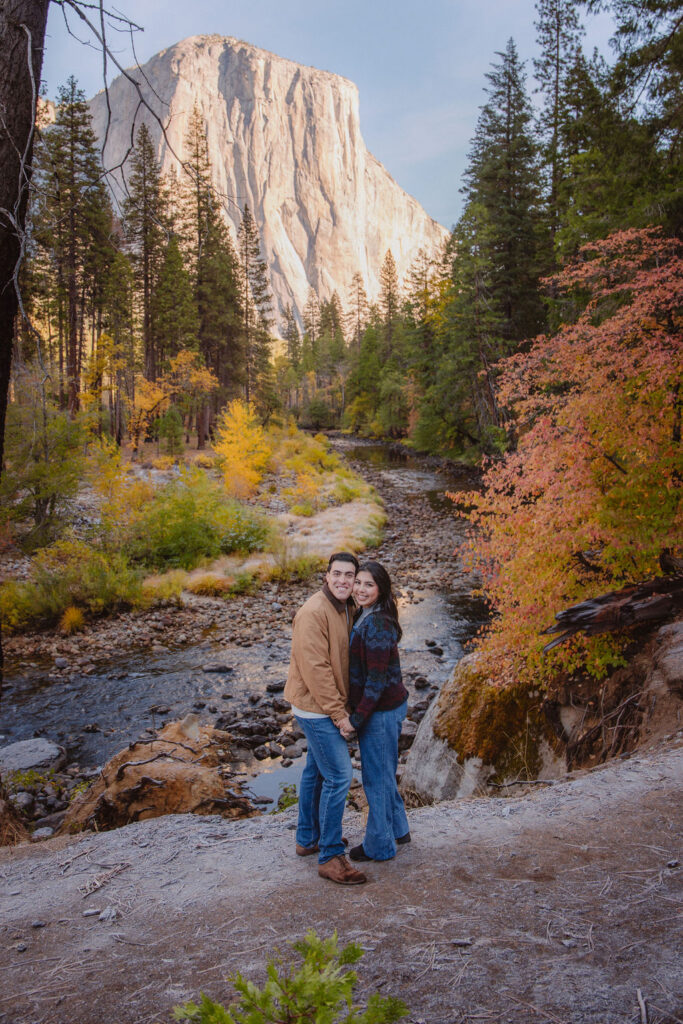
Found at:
[419, 65]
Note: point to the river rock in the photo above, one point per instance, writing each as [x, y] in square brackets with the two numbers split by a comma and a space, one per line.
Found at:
[176, 774]
[42, 833]
[23, 801]
[30, 754]
[432, 770]
[408, 734]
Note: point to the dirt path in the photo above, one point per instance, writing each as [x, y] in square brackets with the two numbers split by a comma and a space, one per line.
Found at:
[559, 906]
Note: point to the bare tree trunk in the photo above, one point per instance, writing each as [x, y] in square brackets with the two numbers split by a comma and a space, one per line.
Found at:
[22, 32]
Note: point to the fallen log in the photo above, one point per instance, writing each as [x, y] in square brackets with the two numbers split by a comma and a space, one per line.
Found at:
[639, 604]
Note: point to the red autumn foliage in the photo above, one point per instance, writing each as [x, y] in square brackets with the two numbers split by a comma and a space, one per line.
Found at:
[596, 413]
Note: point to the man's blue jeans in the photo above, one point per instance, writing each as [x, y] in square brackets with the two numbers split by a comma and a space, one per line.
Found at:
[387, 821]
[323, 789]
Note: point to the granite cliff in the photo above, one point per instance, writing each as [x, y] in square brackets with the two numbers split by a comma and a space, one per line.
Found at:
[284, 139]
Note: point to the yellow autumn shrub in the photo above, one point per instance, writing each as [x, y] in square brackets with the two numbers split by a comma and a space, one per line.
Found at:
[243, 449]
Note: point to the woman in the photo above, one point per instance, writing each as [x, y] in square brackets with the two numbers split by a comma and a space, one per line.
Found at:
[379, 701]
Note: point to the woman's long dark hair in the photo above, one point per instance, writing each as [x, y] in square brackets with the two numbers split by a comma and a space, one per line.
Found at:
[385, 602]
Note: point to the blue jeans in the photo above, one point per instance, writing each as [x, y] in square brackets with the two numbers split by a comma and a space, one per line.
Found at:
[323, 789]
[387, 821]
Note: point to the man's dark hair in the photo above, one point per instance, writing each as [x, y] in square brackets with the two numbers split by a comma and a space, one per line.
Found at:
[343, 556]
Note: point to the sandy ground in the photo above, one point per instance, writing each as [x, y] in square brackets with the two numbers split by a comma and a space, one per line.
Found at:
[563, 905]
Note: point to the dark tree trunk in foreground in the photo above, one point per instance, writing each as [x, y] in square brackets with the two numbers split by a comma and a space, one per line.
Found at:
[22, 38]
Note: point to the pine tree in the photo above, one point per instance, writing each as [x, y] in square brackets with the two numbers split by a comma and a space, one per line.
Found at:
[256, 305]
[173, 312]
[73, 222]
[219, 305]
[648, 78]
[558, 35]
[213, 266]
[358, 311]
[145, 221]
[389, 301]
[292, 338]
[501, 182]
[311, 317]
[198, 200]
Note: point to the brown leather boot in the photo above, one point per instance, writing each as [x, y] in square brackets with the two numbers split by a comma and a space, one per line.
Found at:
[339, 870]
[306, 851]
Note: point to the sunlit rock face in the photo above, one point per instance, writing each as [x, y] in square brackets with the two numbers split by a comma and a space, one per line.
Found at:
[284, 139]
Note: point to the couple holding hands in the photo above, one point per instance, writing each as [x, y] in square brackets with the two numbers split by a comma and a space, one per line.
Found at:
[345, 656]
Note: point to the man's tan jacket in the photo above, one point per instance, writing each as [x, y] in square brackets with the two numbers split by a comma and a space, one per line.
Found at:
[318, 678]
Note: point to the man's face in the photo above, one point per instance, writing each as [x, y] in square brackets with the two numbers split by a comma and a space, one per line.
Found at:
[339, 579]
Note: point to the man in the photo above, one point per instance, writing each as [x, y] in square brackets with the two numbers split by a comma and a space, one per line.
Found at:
[317, 688]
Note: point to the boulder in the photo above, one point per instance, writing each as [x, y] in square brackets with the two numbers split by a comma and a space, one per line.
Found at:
[173, 773]
[34, 754]
[432, 770]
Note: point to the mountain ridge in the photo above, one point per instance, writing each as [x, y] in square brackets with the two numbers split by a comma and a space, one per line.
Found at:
[285, 139]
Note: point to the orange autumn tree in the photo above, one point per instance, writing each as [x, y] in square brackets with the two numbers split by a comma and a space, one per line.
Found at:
[590, 495]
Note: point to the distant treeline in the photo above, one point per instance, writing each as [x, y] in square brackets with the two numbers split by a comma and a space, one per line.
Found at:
[157, 292]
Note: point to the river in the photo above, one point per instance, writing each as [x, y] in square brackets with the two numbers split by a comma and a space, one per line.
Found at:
[95, 714]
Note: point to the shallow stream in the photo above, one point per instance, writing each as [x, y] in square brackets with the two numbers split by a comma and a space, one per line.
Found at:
[94, 715]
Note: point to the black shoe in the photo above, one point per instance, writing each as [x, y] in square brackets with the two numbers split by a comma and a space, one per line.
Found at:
[402, 840]
[358, 853]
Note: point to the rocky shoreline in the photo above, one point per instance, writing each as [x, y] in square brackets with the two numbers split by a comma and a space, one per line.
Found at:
[417, 549]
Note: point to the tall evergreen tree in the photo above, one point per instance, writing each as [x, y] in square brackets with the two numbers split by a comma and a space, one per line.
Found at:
[213, 265]
[292, 338]
[389, 301]
[647, 79]
[73, 221]
[146, 224]
[357, 317]
[174, 312]
[501, 183]
[559, 35]
[256, 306]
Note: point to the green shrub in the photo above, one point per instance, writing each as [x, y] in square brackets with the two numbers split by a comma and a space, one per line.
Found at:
[69, 572]
[190, 520]
[320, 991]
[170, 429]
[44, 463]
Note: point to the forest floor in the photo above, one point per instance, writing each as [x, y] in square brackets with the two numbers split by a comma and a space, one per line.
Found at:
[563, 905]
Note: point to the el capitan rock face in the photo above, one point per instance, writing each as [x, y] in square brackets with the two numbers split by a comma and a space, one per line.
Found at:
[284, 139]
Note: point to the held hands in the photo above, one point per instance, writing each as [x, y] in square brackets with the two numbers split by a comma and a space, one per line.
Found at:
[345, 728]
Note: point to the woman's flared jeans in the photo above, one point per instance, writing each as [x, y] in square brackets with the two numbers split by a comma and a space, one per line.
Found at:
[387, 820]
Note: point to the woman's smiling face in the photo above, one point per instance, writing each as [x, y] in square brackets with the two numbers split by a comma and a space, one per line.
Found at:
[365, 590]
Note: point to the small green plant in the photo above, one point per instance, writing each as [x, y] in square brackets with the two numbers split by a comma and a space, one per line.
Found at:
[29, 780]
[244, 583]
[288, 797]
[81, 787]
[320, 991]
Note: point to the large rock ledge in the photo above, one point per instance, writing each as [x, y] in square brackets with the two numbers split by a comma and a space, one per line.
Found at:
[529, 736]
[476, 919]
